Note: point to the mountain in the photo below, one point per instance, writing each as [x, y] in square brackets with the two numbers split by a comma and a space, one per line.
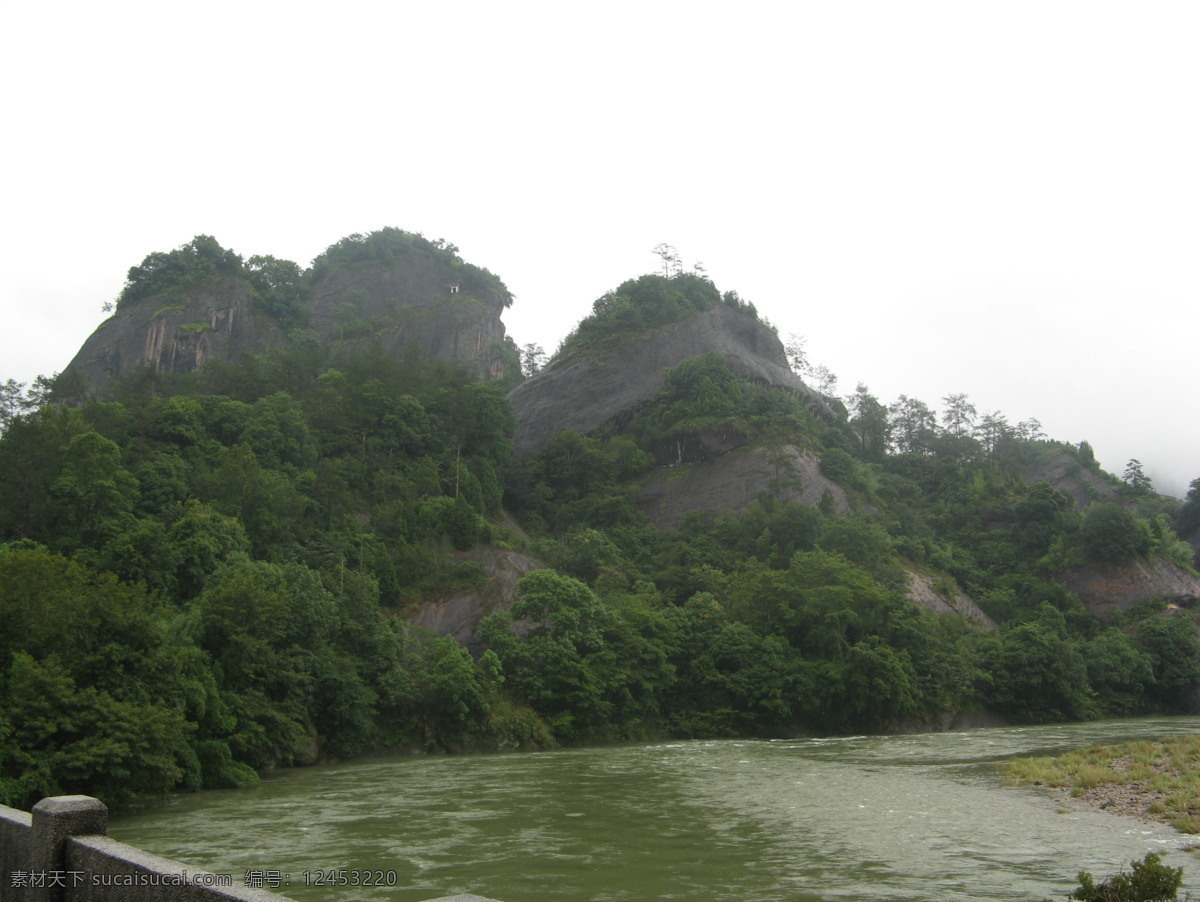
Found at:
[589, 387]
[336, 520]
[396, 291]
[410, 298]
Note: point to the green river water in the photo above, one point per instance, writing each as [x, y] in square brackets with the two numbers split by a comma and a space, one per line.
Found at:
[912, 817]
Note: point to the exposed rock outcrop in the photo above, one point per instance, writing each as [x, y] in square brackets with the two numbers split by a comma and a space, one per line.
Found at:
[214, 321]
[1064, 472]
[417, 300]
[921, 591]
[459, 614]
[418, 306]
[1106, 589]
[585, 391]
[727, 483]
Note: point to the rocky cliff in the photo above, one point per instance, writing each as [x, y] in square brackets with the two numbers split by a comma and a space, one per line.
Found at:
[724, 484]
[178, 333]
[923, 590]
[458, 615]
[1064, 472]
[418, 305]
[199, 303]
[1107, 589]
[584, 391]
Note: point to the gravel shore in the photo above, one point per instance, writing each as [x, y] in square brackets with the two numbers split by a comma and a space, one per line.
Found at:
[1128, 799]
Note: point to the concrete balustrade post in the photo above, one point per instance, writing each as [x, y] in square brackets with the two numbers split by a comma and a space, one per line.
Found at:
[54, 819]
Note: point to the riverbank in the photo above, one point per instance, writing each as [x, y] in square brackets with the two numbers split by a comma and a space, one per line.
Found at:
[1152, 780]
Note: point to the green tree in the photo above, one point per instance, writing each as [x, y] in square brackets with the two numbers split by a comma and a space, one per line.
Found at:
[1038, 673]
[563, 666]
[1174, 650]
[1136, 478]
[869, 419]
[1040, 518]
[730, 679]
[1119, 672]
[281, 288]
[241, 620]
[449, 696]
[94, 492]
[993, 431]
[872, 685]
[203, 539]
[201, 258]
[859, 539]
[66, 738]
[1187, 522]
[958, 418]
[912, 426]
[533, 358]
[1112, 534]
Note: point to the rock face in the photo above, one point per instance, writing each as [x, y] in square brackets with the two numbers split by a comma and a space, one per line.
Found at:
[1110, 588]
[1066, 474]
[425, 304]
[215, 321]
[714, 473]
[417, 306]
[459, 614]
[586, 391]
[921, 591]
[725, 484]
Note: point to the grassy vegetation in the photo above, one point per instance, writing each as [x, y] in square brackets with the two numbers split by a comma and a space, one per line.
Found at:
[1165, 772]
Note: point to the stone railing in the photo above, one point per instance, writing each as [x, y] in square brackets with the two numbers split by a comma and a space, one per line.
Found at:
[61, 853]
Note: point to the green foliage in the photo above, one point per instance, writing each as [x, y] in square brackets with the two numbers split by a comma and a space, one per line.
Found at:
[1174, 651]
[389, 246]
[66, 738]
[638, 307]
[449, 695]
[86, 679]
[838, 465]
[1038, 672]
[1187, 522]
[702, 395]
[869, 419]
[1165, 543]
[859, 539]
[200, 259]
[1119, 672]
[1111, 534]
[281, 289]
[1148, 880]
[1040, 518]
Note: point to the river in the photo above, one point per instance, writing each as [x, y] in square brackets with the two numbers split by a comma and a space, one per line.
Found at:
[903, 817]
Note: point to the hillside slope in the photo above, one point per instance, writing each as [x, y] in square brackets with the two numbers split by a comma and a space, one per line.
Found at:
[584, 391]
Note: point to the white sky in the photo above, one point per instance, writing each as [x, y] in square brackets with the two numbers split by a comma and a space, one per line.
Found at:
[1000, 198]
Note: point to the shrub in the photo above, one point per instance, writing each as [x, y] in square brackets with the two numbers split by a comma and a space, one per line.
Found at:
[1149, 881]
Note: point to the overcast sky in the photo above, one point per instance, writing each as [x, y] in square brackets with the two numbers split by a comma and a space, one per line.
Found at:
[1001, 199]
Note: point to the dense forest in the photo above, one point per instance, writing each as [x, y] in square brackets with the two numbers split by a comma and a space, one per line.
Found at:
[208, 575]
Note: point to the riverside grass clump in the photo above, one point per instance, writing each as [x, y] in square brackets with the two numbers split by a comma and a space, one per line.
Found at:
[1164, 774]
